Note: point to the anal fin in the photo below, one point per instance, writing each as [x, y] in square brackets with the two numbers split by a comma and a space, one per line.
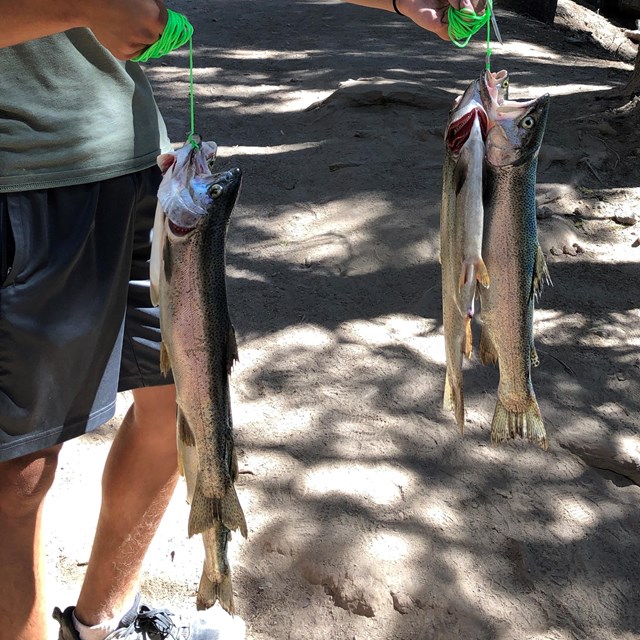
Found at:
[165, 362]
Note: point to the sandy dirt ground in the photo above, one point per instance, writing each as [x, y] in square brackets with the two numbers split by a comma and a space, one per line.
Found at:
[370, 516]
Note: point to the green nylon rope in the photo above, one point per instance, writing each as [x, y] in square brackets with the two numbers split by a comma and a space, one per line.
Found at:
[465, 23]
[177, 32]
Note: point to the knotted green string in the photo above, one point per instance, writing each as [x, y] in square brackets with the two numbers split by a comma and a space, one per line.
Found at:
[177, 32]
[465, 23]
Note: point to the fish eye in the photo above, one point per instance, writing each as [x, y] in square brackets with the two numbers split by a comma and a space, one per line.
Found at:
[528, 122]
[216, 190]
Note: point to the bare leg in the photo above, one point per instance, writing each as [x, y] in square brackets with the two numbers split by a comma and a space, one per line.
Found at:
[139, 478]
[24, 483]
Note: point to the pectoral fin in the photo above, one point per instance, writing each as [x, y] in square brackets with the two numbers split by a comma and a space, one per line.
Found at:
[541, 274]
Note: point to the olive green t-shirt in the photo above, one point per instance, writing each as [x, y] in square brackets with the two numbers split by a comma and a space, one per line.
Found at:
[70, 113]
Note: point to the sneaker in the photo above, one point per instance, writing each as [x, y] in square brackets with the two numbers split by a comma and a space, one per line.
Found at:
[143, 623]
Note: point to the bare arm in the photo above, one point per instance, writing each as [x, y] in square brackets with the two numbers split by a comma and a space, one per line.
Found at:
[125, 27]
[428, 14]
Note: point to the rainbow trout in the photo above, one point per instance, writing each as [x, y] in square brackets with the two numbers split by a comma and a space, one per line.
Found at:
[513, 258]
[461, 227]
[199, 346]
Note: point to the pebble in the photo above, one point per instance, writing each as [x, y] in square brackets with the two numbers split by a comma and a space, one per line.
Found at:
[543, 213]
[627, 220]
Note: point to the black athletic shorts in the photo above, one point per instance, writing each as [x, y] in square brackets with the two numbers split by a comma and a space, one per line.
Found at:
[76, 321]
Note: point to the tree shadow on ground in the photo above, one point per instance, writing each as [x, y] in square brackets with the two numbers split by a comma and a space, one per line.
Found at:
[334, 286]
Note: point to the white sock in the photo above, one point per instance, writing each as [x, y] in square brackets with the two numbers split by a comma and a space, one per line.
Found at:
[98, 632]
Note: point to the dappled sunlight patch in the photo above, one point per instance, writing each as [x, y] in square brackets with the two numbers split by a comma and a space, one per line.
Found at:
[294, 423]
[245, 274]
[380, 484]
[575, 517]
[404, 329]
[440, 515]
[360, 442]
[389, 547]
[263, 54]
[271, 150]
[310, 336]
[556, 325]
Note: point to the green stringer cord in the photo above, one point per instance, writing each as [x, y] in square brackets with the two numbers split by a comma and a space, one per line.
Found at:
[465, 23]
[177, 32]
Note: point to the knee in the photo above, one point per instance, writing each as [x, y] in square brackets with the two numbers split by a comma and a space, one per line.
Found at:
[154, 408]
[25, 481]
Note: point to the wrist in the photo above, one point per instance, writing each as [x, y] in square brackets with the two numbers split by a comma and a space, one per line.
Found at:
[402, 7]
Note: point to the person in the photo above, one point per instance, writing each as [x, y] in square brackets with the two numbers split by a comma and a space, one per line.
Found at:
[79, 135]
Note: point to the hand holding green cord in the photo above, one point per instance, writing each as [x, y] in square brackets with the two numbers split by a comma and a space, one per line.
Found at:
[177, 32]
[465, 22]
[124, 27]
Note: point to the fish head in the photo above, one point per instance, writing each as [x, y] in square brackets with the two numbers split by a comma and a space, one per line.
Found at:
[189, 190]
[516, 130]
[211, 196]
[462, 116]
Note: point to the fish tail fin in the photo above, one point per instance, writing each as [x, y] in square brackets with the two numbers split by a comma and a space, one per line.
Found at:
[488, 352]
[527, 424]
[210, 592]
[165, 362]
[205, 512]
[453, 400]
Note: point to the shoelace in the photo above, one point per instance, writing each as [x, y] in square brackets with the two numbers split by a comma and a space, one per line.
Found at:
[155, 624]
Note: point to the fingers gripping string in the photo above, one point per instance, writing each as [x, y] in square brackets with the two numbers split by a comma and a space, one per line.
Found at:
[177, 32]
[465, 23]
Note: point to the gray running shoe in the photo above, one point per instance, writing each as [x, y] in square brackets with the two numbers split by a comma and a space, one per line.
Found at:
[143, 623]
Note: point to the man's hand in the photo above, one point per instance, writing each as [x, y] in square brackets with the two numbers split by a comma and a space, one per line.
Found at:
[432, 14]
[125, 27]
[428, 14]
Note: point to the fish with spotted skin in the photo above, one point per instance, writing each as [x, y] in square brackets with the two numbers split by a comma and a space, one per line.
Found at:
[199, 347]
[461, 228]
[513, 258]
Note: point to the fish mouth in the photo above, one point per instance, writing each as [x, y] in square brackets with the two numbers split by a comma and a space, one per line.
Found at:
[497, 107]
[178, 231]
